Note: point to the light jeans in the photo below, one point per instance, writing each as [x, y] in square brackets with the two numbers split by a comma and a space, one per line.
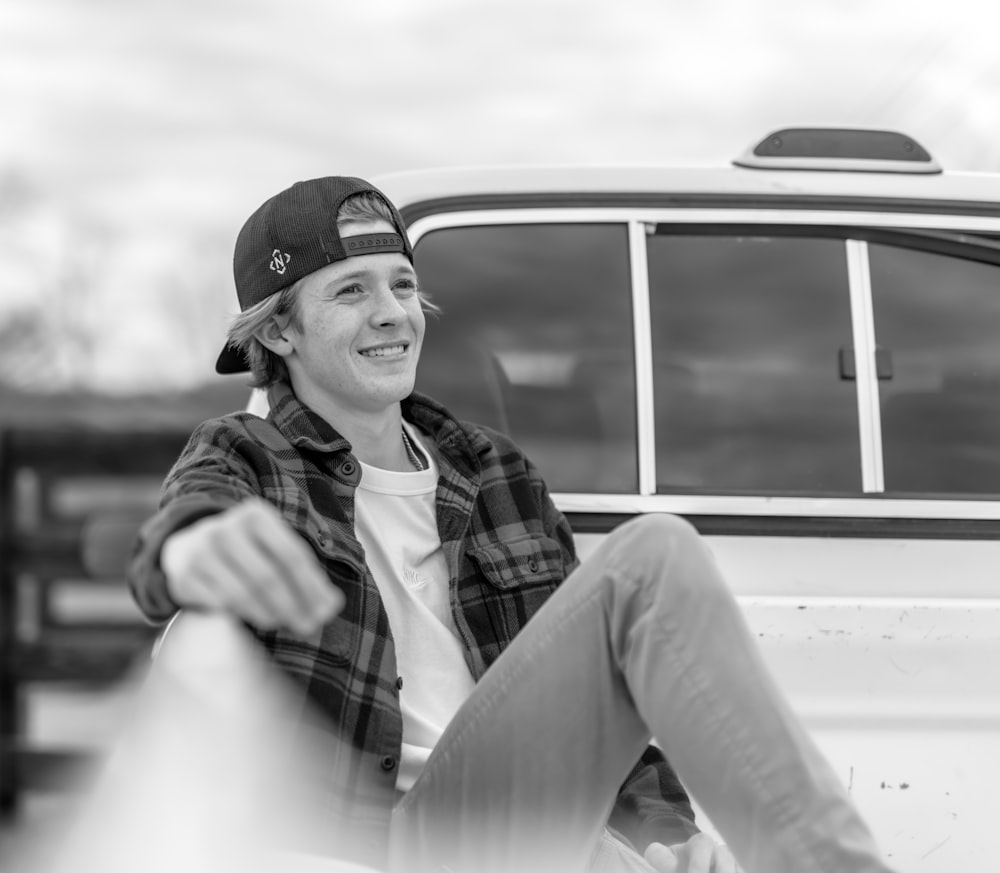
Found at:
[644, 639]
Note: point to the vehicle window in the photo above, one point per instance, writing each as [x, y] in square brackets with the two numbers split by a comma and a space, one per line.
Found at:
[938, 319]
[747, 332]
[535, 339]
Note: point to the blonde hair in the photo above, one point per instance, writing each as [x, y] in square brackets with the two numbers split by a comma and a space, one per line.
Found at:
[267, 367]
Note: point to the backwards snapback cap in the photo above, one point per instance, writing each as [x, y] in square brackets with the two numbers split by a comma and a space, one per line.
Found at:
[293, 234]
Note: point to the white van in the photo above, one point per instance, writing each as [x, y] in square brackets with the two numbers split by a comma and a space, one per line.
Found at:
[800, 354]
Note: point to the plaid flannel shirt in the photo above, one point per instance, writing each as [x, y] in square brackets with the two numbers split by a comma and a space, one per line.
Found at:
[507, 548]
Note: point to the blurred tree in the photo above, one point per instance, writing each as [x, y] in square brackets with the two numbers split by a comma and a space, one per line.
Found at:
[49, 323]
[86, 307]
[21, 341]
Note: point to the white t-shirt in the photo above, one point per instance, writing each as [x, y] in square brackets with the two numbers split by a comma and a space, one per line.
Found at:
[396, 522]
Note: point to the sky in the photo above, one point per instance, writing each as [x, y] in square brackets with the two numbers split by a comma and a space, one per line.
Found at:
[137, 135]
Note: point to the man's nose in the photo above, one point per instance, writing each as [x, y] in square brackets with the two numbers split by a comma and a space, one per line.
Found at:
[387, 308]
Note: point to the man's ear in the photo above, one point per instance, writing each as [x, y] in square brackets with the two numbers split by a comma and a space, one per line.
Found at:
[276, 336]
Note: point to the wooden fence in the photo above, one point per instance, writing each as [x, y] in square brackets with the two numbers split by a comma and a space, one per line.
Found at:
[71, 501]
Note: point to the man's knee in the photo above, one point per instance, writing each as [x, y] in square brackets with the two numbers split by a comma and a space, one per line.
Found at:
[667, 550]
[657, 533]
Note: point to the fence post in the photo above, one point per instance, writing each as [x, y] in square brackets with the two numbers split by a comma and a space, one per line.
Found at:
[113, 480]
[10, 702]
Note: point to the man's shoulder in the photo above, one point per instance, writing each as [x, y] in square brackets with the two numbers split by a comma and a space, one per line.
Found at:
[235, 424]
[238, 431]
[498, 441]
[441, 424]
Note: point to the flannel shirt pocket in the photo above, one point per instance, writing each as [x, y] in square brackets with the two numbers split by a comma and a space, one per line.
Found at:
[526, 560]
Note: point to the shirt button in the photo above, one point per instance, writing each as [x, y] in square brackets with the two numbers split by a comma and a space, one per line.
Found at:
[348, 468]
[533, 565]
[399, 683]
[388, 763]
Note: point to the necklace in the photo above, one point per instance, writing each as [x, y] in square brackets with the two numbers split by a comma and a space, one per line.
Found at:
[411, 453]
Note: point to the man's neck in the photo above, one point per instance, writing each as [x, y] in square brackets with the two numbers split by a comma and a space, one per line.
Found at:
[378, 443]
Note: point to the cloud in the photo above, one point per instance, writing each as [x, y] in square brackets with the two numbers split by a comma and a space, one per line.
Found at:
[168, 122]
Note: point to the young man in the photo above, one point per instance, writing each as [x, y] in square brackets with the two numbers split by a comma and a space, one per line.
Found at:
[412, 573]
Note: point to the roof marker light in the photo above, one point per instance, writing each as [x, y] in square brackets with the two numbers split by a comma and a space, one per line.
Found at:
[839, 149]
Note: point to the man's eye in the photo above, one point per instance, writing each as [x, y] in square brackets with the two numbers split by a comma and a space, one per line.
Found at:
[405, 286]
[349, 290]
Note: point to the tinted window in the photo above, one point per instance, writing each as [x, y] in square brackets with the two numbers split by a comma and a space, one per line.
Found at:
[746, 336]
[536, 340]
[938, 317]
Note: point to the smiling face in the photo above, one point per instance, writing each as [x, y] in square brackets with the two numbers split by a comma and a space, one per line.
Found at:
[354, 346]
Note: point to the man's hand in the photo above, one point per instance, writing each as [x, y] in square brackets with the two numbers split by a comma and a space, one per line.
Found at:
[700, 854]
[249, 562]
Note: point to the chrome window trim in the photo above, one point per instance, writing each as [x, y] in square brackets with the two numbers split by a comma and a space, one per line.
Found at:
[762, 506]
[866, 392]
[749, 505]
[642, 344]
[598, 215]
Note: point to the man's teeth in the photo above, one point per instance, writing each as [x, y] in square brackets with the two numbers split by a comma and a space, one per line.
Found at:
[381, 353]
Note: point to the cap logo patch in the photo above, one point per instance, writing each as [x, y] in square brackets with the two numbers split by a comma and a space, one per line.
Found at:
[280, 262]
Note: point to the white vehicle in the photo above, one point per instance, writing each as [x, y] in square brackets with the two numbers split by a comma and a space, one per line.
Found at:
[800, 354]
